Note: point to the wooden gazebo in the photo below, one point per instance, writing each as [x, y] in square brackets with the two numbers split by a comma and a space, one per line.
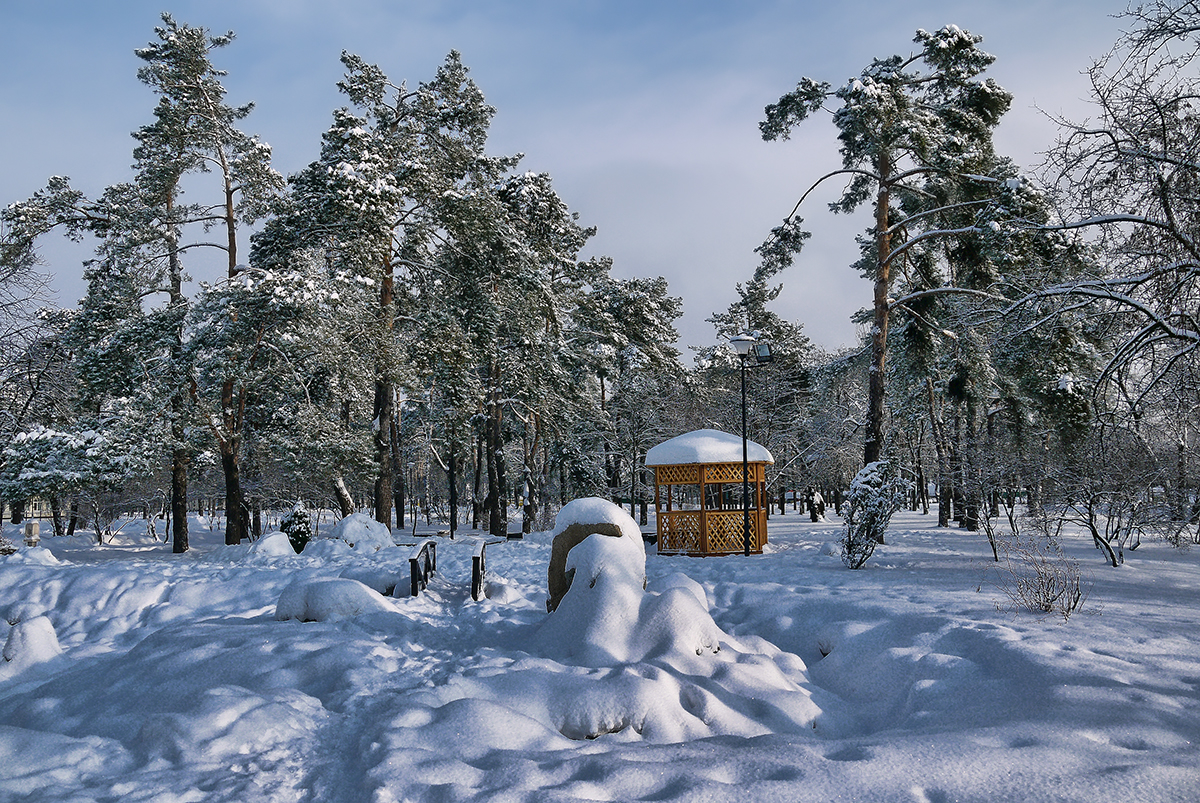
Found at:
[698, 493]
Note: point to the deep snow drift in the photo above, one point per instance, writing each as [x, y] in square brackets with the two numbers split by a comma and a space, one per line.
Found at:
[250, 674]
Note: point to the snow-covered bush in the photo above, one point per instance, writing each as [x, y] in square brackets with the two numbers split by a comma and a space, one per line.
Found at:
[298, 526]
[6, 547]
[876, 493]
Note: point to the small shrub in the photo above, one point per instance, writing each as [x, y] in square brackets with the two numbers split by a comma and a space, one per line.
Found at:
[7, 547]
[1036, 576]
[298, 526]
[876, 493]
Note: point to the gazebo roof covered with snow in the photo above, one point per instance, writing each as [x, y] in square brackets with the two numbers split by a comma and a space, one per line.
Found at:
[698, 493]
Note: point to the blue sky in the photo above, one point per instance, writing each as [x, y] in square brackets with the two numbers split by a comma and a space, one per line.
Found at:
[645, 113]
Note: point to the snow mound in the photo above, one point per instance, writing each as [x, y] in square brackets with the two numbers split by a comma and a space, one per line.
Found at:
[38, 556]
[440, 731]
[326, 548]
[381, 579]
[652, 662]
[273, 545]
[328, 599]
[681, 580]
[361, 532]
[30, 642]
[226, 723]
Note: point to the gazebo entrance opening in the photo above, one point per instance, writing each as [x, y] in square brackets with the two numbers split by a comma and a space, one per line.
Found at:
[698, 493]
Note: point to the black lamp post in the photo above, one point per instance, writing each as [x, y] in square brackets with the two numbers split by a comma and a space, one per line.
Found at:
[747, 345]
[743, 344]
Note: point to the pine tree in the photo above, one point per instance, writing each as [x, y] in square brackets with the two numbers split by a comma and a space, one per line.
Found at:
[194, 130]
[143, 227]
[401, 173]
[904, 122]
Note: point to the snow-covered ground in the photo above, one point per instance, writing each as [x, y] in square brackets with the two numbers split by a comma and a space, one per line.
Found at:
[131, 674]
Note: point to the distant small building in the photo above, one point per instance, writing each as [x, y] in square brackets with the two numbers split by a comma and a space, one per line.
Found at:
[35, 508]
[698, 493]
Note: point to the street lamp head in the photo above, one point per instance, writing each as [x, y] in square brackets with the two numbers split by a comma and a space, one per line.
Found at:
[742, 344]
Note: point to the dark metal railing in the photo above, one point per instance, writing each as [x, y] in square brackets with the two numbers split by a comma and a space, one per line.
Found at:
[421, 564]
[479, 568]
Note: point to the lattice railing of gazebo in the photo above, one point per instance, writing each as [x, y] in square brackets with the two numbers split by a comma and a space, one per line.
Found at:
[725, 532]
[677, 475]
[683, 531]
[680, 532]
[730, 472]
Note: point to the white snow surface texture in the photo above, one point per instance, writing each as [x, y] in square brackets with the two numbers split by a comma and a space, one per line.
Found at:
[706, 446]
[236, 673]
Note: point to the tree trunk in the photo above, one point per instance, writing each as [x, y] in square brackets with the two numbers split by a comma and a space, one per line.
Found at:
[497, 499]
[1181, 501]
[922, 488]
[383, 451]
[452, 481]
[344, 499]
[972, 483]
[179, 511]
[544, 481]
[873, 445]
[643, 504]
[56, 513]
[956, 470]
[384, 402]
[941, 448]
[611, 470]
[237, 512]
[476, 499]
[632, 487]
[531, 501]
[397, 472]
[180, 454]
